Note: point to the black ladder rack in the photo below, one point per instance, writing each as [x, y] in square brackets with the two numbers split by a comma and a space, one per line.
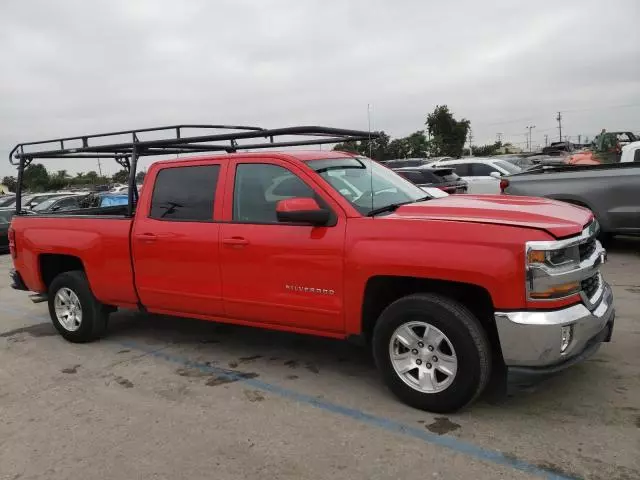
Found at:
[126, 146]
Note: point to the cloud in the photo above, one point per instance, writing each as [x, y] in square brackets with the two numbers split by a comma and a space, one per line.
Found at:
[73, 67]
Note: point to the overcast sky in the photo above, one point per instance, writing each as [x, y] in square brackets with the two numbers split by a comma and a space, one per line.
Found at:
[86, 66]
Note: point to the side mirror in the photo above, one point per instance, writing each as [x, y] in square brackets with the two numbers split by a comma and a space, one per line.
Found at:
[302, 210]
[496, 174]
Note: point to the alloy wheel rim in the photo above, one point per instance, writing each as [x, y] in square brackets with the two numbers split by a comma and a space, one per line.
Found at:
[423, 357]
[68, 309]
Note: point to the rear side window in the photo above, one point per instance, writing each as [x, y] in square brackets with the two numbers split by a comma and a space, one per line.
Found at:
[481, 170]
[413, 177]
[185, 193]
[462, 169]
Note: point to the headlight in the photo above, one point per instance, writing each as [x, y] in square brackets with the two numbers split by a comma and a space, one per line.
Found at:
[545, 265]
[565, 258]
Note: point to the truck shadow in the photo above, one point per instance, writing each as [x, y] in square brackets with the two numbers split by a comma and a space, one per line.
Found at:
[231, 346]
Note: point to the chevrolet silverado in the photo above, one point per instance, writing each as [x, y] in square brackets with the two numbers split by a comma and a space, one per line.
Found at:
[448, 291]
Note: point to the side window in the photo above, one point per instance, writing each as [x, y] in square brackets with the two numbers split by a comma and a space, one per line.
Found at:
[636, 156]
[185, 193]
[259, 187]
[413, 177]
[462, 169]
[481, 170]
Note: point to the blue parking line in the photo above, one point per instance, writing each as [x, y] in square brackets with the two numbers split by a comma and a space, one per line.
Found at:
[451, 443]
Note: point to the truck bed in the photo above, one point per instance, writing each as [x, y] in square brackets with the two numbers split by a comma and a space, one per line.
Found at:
[101, 239]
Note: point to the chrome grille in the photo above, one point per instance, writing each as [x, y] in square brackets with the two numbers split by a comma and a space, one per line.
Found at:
[590, 285]
[587, 248]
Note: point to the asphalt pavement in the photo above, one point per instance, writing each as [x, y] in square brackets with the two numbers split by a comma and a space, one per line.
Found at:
[173, 398]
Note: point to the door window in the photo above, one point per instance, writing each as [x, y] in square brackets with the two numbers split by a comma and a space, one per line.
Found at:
[462, 169]
[481, 170]
[185, 193]
[259, 187]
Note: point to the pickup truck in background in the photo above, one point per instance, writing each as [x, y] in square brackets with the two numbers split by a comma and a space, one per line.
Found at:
[610, 191]
[449, 292]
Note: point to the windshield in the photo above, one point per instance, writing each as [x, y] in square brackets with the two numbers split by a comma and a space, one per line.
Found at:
[509, 167]
[45, 205]
[366, 184]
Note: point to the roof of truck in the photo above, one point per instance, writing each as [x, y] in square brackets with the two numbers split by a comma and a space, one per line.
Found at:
[302, 155]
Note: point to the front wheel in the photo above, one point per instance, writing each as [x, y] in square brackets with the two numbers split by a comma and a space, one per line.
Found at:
[77, 315]
[432, 352]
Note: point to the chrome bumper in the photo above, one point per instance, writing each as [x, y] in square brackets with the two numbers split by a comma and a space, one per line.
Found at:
[532, 339]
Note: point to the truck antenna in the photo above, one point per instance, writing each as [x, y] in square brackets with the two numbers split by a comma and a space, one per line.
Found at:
[370, 154]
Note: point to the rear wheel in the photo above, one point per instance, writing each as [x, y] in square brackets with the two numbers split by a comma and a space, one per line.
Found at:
[77, 315]
[432, 352]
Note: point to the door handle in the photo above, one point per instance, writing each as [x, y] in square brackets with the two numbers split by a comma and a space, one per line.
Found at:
[235, 241]
[147, 237]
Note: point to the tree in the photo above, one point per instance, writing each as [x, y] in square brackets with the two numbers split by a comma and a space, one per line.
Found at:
[61, 174]
[448, 134]
[140, 176]
[36, 178]
[487, 150]
[121, 177]
[377, 148]
[10, 183]
[91, 176]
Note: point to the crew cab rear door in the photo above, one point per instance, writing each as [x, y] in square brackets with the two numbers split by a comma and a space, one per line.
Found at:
[276, 273]
[175, 239]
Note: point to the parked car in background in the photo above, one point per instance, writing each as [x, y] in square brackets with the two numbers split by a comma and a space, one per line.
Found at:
[520, 161]
[481, 174]
[443, 178]
[558, 148]
[406, 162]
[630, 153]
[7, 200]
[610, 191]
[58, 204]
[5, 220]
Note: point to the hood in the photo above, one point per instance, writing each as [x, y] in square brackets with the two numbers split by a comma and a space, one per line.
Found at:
[560, 219]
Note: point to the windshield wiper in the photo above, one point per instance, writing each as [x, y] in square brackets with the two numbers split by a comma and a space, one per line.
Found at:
[394, 206]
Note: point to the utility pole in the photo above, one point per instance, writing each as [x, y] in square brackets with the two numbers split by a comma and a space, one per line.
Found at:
[559, 119]
[546, 140]
[579, 138]
[470, 140]
[529, 127]
[499, 137]
[99, 168]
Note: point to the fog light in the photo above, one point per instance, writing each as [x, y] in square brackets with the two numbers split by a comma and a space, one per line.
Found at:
[566, 335]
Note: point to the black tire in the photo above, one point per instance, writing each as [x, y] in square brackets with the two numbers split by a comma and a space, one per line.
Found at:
[462, 329]
[94, 314]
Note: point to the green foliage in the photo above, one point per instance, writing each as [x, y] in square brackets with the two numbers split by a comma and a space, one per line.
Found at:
[121, 177]
[383, 148]
[140, 176]
[10, 183]
[36, 178]
[448, 134]
[487, 150]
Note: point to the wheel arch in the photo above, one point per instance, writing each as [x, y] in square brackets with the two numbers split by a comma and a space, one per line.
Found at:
[381, 291]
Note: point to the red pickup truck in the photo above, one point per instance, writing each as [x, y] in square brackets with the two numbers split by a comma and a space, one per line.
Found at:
[448, 291]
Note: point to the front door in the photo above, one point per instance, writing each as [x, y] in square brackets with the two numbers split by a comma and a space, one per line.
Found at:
[274, 273]
[175, 240]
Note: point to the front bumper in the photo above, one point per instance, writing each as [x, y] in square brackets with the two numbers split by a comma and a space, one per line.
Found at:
[531, 340]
